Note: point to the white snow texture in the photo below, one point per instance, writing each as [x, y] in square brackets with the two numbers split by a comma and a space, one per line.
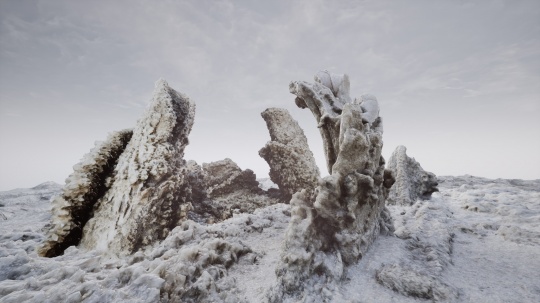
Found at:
[156, 228]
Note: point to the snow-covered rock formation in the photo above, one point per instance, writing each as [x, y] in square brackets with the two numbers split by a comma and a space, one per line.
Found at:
[150, 192]
[224, 177]
[333, 227]
[84, 187]
[412, 182]
[232, 190]
[292, 166]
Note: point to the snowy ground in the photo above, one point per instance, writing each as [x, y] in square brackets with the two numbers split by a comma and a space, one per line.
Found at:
[478, 240]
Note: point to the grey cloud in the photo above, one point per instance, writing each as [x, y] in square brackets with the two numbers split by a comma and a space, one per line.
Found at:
[430, 63]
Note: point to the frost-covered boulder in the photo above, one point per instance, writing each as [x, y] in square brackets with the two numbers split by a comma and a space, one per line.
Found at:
[84, 187]
[334, 226]
[292, 166]
[231, 189]
[412, 182]
[149, 193]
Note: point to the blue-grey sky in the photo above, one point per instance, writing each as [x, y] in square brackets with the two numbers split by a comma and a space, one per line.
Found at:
[458, 82]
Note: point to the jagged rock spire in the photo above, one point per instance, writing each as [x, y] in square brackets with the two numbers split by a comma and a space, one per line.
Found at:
[148, 191]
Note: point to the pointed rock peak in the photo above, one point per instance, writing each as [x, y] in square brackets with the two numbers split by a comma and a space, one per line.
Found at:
[412, 181]
[400, 149]
[164, 93]
[161, 83]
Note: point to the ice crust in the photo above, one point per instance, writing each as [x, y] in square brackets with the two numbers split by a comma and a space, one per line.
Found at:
[426, 227]
[483, 266]
[191, 265]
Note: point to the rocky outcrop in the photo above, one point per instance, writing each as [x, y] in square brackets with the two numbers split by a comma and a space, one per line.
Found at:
[84, 187]
[412, 182]
[225, 177]
[292, 166]
[149, 192]
[231, 189]
[333, 227]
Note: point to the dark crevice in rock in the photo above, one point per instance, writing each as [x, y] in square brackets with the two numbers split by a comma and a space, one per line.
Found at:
[82, 200]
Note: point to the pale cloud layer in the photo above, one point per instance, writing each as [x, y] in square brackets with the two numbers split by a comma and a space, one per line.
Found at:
[458, 81]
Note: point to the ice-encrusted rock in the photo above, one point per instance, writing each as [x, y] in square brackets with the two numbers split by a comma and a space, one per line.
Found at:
[224, 177]
[84, 187]
[333, 227]
[292, 166]
[412, 182]
[339, 85]
[231, 189]
[150, 192]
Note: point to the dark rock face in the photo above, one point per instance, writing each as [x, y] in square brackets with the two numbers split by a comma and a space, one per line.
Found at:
[333, 226]
[231, 189]
[292, 166]
[412, 182]
[84, 187]
[225, 177]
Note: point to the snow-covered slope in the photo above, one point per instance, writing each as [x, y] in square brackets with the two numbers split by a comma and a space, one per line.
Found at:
[477, 240]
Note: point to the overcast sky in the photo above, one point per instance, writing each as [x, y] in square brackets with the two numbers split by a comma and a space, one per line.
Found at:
[458, 82]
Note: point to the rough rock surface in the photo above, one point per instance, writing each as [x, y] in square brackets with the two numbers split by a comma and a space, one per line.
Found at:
[150, 192]
[333, 227]
[224, 177]
[292, 166]
[412, 182]
[230, 190]
[84, 187]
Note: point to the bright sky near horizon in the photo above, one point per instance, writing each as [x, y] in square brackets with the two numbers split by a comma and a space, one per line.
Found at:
[458, 82]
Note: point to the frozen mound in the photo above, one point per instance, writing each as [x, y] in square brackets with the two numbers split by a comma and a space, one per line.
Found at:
[333, 227]
[84, 187]
[427, 228]
[412, 182]
[150, 193]
[227, 190]
[292, 166]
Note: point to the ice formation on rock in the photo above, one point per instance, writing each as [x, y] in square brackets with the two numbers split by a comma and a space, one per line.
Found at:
[150, 192]
[292, 166]
[225, 177]
[84, 187]
[412, 182]
[230, 189]
[333, 227]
